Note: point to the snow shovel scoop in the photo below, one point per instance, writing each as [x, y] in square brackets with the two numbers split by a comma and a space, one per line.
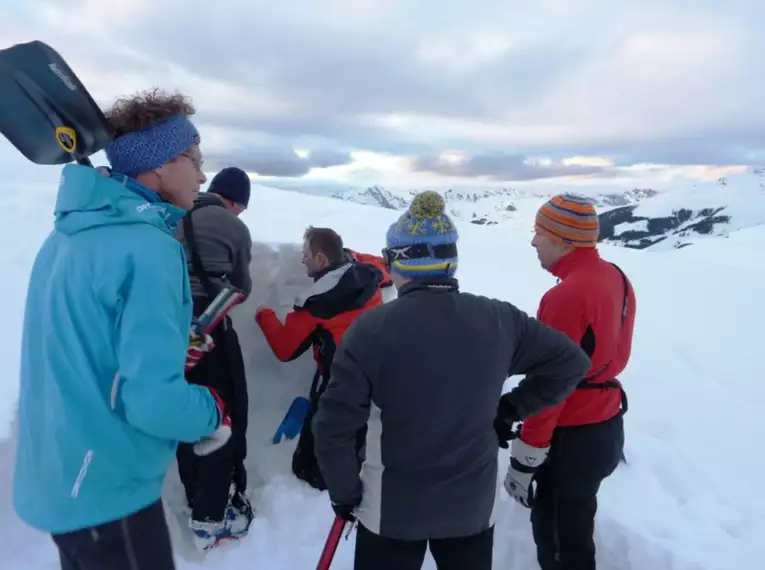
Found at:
[45, 111]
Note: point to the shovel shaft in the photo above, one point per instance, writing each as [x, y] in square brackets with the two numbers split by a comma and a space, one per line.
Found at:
[330, 546]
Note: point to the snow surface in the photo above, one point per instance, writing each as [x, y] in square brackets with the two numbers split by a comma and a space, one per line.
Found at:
[743, 199]
[689, 497]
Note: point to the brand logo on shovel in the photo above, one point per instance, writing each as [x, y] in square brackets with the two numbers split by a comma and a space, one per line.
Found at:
[67, 139]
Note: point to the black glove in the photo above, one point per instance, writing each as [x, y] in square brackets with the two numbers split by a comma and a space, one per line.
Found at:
[507, 415]
[345, 512]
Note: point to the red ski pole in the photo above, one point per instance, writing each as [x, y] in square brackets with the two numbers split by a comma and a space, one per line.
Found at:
[330, 546]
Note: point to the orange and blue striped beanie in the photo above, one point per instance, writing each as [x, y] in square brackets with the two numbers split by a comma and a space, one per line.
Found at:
[570, 219]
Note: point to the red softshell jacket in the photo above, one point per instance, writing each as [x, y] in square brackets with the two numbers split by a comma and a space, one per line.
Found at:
[587, 305]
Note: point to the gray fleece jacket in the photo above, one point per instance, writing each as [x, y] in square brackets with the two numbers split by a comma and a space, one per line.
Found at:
[224, 246]
[424, 374]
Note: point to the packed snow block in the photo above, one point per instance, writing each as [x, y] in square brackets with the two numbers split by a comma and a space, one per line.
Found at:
[278, 277]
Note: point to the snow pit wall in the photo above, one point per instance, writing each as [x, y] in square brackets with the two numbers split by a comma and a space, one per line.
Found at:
[278, 277]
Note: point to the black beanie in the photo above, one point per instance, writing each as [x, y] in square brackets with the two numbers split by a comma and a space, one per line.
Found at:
[232, 183]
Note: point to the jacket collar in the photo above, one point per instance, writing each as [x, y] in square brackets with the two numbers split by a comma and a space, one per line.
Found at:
[171, 214]
[572, 261]
[436, 284]
[330, 268]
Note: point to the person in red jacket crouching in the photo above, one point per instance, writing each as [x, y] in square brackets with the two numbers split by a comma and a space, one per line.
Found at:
[568, 449]
[346, 284]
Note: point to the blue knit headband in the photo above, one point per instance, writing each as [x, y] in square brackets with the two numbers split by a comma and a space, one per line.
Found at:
[145, 150]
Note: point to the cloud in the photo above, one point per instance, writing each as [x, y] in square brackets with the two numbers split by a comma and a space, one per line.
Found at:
[275, 161]
[500, 166]
[631, 82]
[328, 157]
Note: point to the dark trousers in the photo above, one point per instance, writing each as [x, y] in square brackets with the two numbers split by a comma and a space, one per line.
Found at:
[138, 542]
[375, 552]
[304, 463]
[207, 479]
[567, 484]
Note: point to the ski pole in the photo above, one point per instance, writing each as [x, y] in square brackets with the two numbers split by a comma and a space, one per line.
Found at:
[330, 546]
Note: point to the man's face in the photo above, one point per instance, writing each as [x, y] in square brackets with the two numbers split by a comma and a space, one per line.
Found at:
[548, 250]
[181, 178]
[314, 264]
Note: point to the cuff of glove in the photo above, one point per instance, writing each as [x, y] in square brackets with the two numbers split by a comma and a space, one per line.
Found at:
[527, 458]
[346, 511]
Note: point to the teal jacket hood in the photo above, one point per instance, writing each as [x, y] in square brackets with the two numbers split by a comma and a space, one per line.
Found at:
[87, 198]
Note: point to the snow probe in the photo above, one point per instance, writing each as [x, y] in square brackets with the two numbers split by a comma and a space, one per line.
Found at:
[333, 539]
[216, 310]
[45, 110]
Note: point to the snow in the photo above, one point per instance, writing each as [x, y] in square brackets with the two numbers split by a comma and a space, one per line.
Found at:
[689, 497]
[639, 226]
[742, 197]
[510, 206]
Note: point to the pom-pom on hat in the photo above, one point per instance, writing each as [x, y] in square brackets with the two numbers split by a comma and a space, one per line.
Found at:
[422, 242]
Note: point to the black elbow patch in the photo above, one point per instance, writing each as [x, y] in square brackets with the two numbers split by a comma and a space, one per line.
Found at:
[587, 343]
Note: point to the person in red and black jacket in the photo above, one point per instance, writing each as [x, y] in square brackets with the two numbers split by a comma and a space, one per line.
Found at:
[568, 449]
[346, 284]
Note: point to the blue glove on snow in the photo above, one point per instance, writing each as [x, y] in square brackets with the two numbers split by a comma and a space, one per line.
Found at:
[293, 420]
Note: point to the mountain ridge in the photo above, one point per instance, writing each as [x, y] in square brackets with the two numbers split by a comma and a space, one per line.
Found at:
[638, 218]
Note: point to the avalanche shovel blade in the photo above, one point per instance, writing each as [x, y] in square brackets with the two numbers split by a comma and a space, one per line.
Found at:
[293, 420]
[45, 111]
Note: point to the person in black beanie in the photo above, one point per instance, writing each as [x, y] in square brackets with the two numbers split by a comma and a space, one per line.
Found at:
[219, 251]
[233, 186]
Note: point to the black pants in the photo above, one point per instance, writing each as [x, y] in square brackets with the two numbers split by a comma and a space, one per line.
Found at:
[304, 463]
[138, 542]
[207, 479]
[375, 552]
[563, 512]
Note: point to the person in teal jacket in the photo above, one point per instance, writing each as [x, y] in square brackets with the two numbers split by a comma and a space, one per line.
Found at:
[103, 398]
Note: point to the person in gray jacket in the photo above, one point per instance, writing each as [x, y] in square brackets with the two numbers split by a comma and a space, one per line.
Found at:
[219, 250]
[424, 373]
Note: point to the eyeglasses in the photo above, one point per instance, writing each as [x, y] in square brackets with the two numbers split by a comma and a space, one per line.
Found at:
[196, 162]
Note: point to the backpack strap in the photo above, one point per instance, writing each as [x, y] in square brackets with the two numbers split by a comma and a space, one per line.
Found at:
[588, 382]
[196, 261]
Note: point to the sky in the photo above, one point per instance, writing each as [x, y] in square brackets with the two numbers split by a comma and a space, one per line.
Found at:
[351, 93]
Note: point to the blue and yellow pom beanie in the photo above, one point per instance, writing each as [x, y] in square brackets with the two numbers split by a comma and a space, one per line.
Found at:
[425, 222]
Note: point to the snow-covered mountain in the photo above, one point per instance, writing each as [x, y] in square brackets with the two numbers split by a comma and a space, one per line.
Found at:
[640, 218]
[679, 218]
[483, 207]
